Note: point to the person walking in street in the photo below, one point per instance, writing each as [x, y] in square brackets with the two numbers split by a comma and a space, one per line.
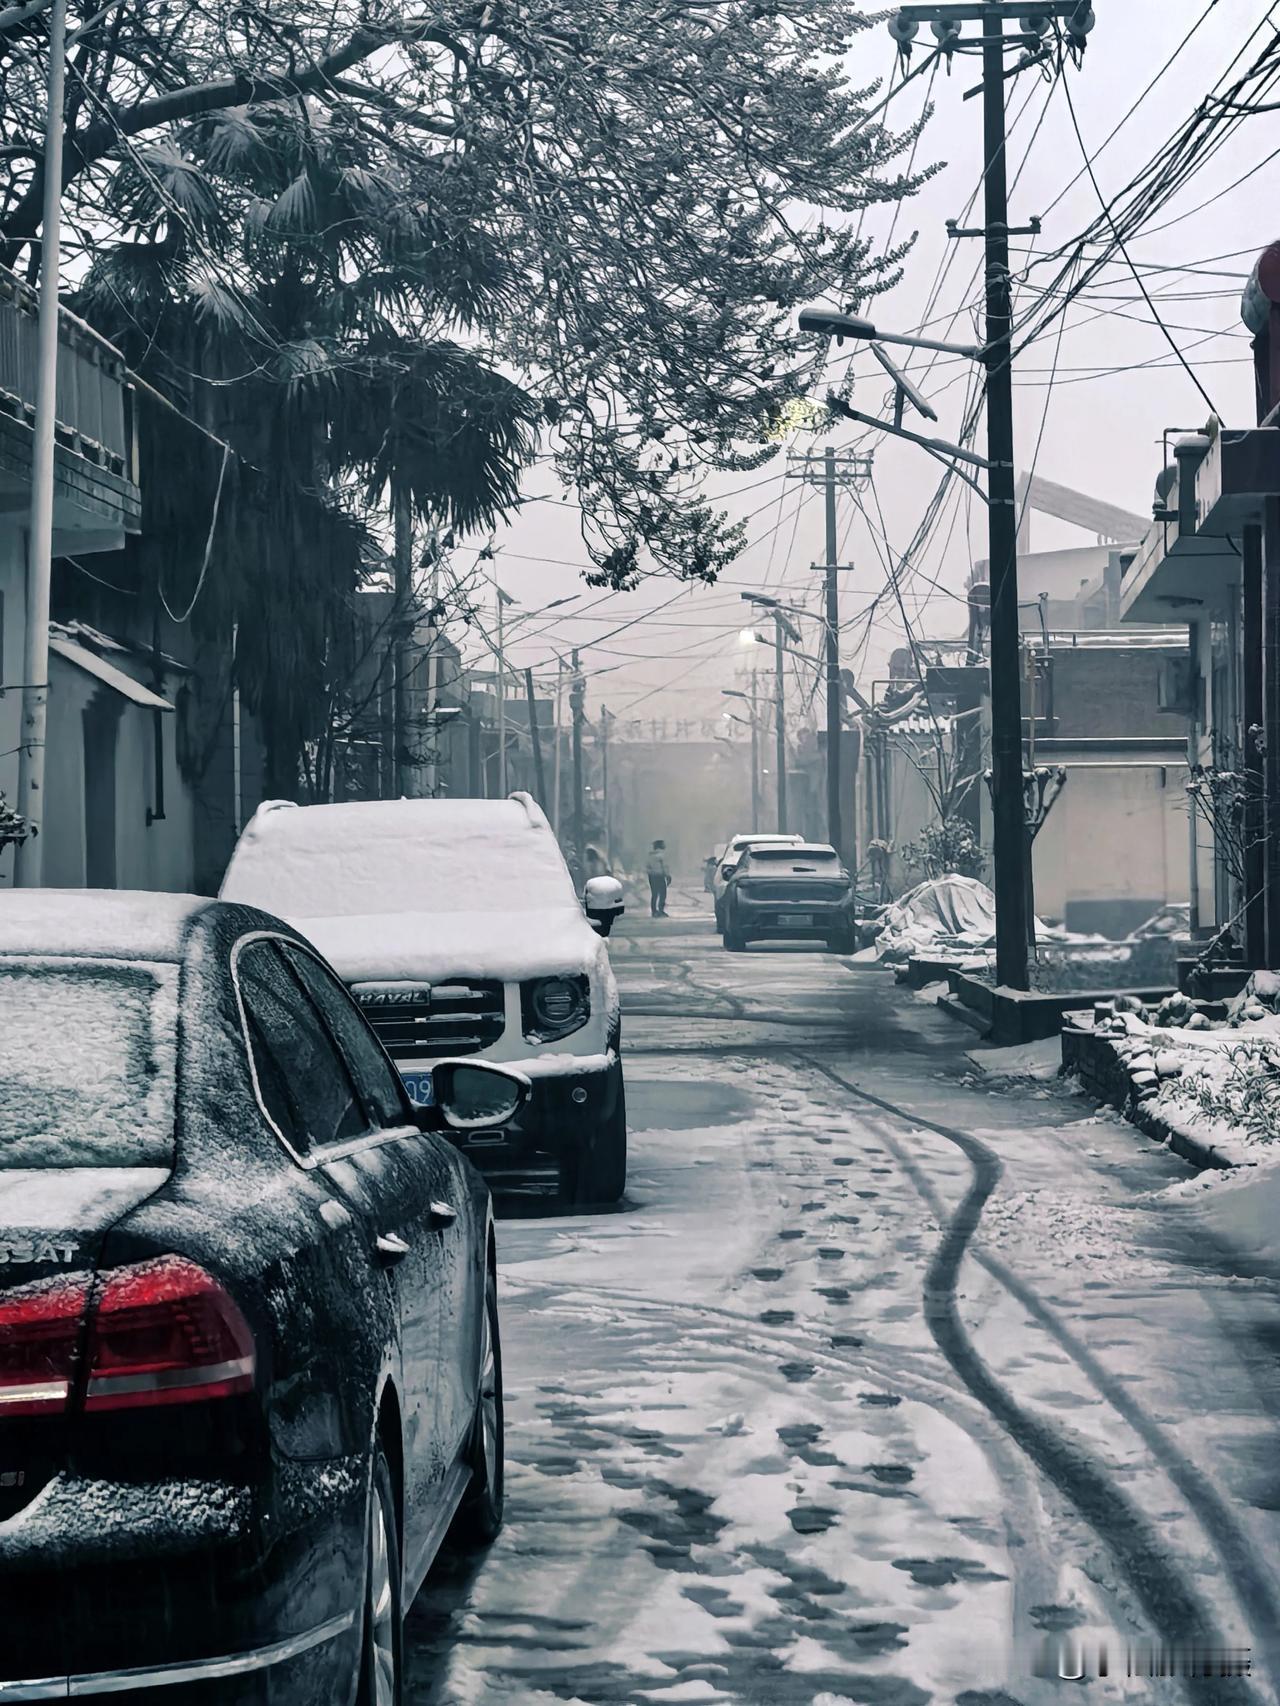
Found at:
[659, 878]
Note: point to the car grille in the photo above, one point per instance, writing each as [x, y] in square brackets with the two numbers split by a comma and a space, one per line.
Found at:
[455, 1018]
[794, 891]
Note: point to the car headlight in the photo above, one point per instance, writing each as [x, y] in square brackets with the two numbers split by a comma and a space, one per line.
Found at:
[554, 1007]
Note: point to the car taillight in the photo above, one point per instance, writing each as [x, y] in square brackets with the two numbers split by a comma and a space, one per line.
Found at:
[40, 1328]
[165, 1332]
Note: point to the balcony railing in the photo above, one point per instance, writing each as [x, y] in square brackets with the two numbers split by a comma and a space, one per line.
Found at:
[94, 419]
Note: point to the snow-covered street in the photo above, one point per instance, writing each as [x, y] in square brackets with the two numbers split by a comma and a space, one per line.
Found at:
[888, 1379]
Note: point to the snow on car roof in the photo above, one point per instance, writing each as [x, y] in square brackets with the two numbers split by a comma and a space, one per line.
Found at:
[751, 839]
[108, 923]
[392, 856]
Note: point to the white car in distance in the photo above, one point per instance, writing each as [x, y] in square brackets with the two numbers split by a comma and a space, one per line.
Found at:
[732, 857]
[456, 926]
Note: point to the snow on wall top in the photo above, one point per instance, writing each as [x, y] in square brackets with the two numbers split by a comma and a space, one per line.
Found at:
[378, 857]
[114, 923]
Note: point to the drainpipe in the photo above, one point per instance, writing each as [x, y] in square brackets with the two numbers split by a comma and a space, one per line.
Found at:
[237, 797]
[1260, 311]
[1193, 758]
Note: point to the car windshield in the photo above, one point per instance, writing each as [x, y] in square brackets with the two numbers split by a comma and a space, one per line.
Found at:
[86, 1063]
[776, 859]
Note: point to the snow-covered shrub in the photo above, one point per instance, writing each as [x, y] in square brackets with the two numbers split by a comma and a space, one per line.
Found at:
[945, 849]
[1239, 1085]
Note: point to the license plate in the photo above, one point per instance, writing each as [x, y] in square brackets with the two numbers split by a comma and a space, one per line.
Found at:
[420, 1088]
[802, 920]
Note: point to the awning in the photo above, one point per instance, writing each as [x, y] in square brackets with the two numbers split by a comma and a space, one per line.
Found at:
[107, 673]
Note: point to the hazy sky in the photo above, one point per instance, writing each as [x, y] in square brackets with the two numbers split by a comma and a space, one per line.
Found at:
[1101, 433]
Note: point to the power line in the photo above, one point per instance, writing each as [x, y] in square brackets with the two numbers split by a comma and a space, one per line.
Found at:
[1137, 277]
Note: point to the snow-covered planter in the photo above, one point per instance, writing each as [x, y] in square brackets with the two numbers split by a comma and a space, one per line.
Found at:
[1212, 1083]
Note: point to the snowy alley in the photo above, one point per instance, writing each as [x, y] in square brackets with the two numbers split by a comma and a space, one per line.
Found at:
[888, 1381]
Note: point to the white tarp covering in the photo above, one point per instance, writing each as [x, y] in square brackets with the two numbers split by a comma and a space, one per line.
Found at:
[942, 912]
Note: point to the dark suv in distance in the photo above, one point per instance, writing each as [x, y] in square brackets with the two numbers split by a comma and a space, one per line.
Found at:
[797, 893]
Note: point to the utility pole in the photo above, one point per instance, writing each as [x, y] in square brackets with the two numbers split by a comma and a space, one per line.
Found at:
[1009, 825]
[503, 601]
[555, 781]
[780, 722]
[535, 737]
[1070, 21]
[433, 685]
[605, 720]
[849, 468]
[28, 868]
[755, 754]
[835, 707]
[402, 514]
[577, 705]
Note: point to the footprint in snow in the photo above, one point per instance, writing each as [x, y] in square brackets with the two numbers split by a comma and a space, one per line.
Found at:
[797, 1372]
[766, 1273]
[716, 1601]
[791, 1232]
[812, 1519]
[800, 1433]
[830, 1253]
[834, 1293]
[846, 1342]
[879, 1400]
[866, 1193]
[776, 1317]
[944, 1572]
[894, 1474]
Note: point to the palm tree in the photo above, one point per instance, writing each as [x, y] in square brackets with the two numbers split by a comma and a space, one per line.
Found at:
[312, 313]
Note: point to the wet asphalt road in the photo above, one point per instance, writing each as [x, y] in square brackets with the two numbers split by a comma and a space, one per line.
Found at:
[883, 1375]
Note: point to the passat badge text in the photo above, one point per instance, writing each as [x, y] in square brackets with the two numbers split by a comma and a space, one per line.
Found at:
[36, 1250]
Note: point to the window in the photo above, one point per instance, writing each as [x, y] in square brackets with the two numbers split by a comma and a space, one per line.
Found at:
[303, 1080]
[375, 1075]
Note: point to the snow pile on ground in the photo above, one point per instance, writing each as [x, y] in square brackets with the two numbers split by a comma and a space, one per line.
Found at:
[1215, 1081]
[1241, 1208]
[1040, 1060]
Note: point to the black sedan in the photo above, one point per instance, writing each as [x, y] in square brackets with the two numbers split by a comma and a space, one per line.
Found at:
[249, 1359]
[798, 893]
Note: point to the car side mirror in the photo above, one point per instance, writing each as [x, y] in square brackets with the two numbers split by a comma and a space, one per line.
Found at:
[471, 1095]
[604, 903]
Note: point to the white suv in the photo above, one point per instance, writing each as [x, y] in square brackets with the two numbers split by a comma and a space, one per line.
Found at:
[456, 926]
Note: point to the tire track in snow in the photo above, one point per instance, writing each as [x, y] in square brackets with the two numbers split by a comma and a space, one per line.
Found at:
[1173, 1606]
